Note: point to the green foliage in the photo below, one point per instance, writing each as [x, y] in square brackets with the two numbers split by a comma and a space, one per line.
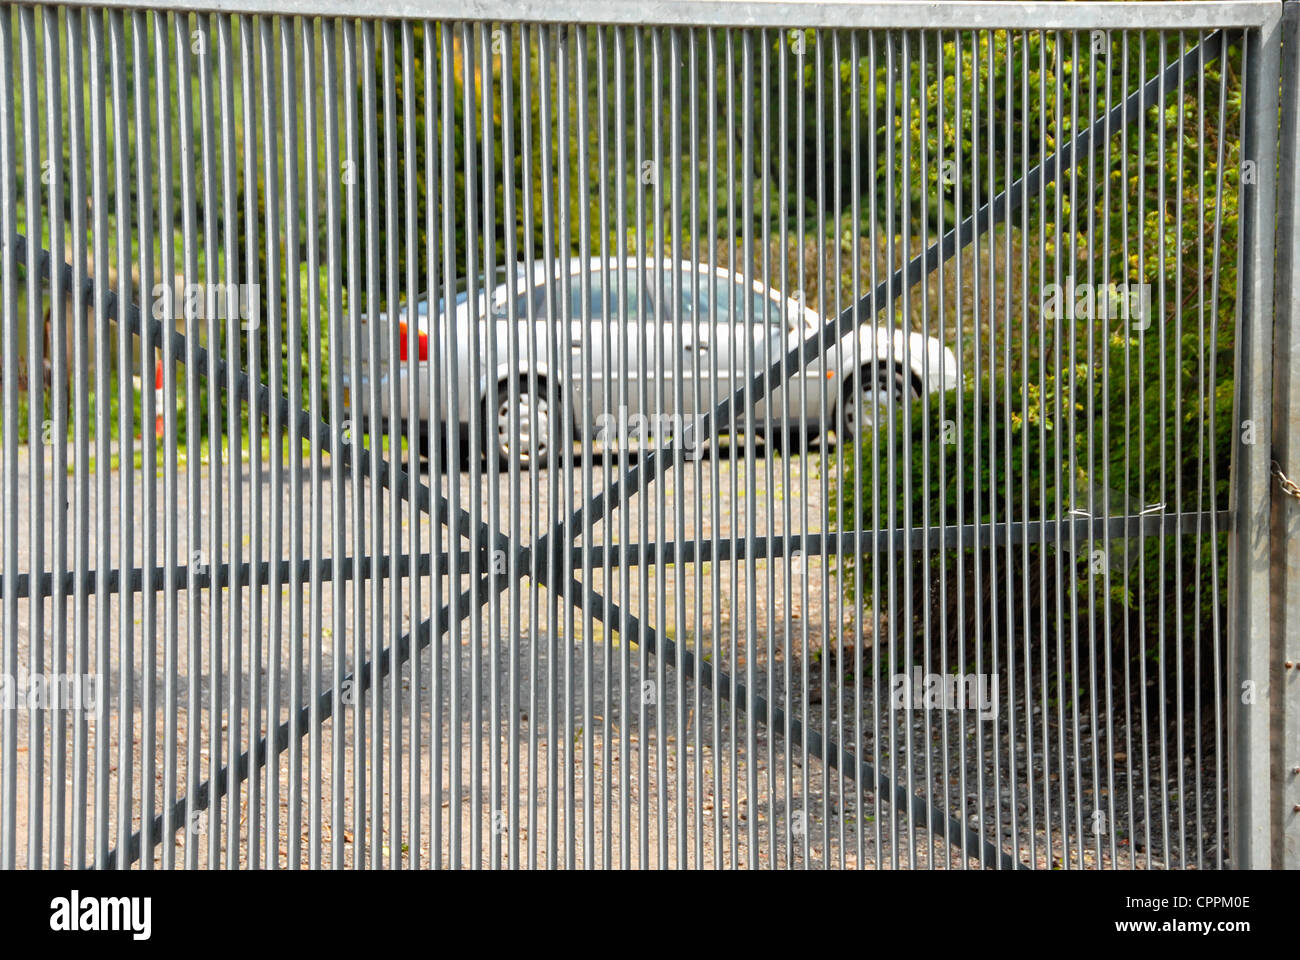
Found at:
[1076, 414]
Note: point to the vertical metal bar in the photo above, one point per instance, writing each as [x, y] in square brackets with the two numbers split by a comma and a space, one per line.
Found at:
[338, 412]
[717, 329]
[315, 335]
[1250, 834]
[822, 307]
[103, 445]
[1128, 699]
[392, 299]
[235, 299]
[644, 310]
[355, 436]
[564, 422]
[770, 444]
[531, 331]
[1220, 677]
[212, 557]
[1141, 459]
[903, 367]
[418, 375]
[941, 162]
[514, 519]
[1008, 470]
[125, 436]
[371, 840]
[625, 526]
[35, 438]
[469, 83]
[9, 341]
[1177, 469]
[891, 465]
[1202, 401]
[607, 377]
[247, 58]
[436, 427]
[393, 403]
[1027, 470]
[454, 332]
[1285, 564]
[489, 406]
[981, 41]
[677, 427]
[680, 429]
[81, 414]
[1057, 486]
[792, 442]
[171, 523]
[556, 281]
[751, 505]
[583, 429]
[690, 821]
[805, 657]
[1161, 497]
[926, 653]
[275, 598]
[289, 66]
[447, 175]
[992, 450]
[60, 383]
[824, 413]
[959, 348]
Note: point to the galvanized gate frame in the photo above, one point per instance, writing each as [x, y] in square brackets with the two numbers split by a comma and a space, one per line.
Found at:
[550, 562]
[1275, 765]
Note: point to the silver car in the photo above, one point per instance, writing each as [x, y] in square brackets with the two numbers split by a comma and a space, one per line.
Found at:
[671, 357]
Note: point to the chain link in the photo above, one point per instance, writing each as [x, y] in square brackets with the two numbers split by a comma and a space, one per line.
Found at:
[1289, 486]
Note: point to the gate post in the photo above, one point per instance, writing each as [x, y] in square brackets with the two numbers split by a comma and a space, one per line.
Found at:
[1249, 700]
[1284, 580]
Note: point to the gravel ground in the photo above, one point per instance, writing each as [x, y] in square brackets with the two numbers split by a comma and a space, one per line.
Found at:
[594, 782]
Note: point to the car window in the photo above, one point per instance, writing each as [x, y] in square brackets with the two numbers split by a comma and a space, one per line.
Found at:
[713, 300]
[602, 306]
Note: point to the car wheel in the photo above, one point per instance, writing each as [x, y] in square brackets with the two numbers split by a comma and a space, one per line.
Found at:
[866, 401]
[529, 444]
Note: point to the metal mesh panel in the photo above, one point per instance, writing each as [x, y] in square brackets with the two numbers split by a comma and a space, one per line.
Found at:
[476, 444]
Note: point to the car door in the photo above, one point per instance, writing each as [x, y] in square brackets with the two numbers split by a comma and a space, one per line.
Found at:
[615, 378]
[736, 330]
[703, 315]
[603, 366]
[686, 341]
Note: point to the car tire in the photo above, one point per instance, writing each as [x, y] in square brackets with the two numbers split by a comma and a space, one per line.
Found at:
[875, 388]
[533, 419]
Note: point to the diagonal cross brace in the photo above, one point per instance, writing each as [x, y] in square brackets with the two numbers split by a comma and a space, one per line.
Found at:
[644, 472]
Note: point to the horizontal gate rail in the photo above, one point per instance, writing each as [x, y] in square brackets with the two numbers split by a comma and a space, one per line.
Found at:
[699, 550]
[899, 540]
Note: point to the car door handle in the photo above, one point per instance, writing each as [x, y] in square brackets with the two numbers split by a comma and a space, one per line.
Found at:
[700, 346]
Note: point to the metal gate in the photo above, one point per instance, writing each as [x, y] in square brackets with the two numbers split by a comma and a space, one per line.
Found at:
[713, 435]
